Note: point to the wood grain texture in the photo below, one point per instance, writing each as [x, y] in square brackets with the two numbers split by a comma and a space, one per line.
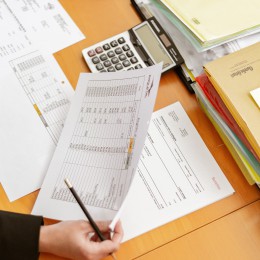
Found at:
[228, 229]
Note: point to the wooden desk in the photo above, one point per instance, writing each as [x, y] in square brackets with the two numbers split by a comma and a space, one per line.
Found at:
[228, 229]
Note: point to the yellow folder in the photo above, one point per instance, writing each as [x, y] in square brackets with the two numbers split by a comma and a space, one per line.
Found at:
[234, 76]
[211, 20]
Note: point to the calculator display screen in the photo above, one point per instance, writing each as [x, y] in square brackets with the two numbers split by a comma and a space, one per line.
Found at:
[153, 45]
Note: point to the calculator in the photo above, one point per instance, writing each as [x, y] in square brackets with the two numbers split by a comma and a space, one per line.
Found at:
[143, 45]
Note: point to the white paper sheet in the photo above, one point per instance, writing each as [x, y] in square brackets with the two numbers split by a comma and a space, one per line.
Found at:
[44, 23]
[100, 145]
[176, 174]
[256, 96]
[34, 101]
[35, 94]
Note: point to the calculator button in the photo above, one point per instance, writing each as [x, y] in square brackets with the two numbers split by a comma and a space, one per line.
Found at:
[111, 69]
[114, 54]
[138, 66]
[134, 60]
[126, 63]
[119, 66]
[126, 47]
[114, 43]
[115, 60]
[107, 63]
[99, 66]
[106, 47]
[110, 54]
[118, 50]
[121, 40]
[103, 57]
[95, 60]
[122, 57]
[99, 50]
[91, 53]
[129, 54]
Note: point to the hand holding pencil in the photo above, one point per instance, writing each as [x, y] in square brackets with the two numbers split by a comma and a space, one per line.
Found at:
[107, 246]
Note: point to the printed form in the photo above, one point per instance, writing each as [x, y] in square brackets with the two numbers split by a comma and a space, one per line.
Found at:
[176, 174]
[44, 22]
[100, 144]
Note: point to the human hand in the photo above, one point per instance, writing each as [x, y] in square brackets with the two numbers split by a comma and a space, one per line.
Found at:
[72, 239]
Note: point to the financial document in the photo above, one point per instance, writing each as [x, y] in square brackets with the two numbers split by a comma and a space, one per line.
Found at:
[100, 144]
[35, 94]
[41, 22]
[34, 101]
[176, 175]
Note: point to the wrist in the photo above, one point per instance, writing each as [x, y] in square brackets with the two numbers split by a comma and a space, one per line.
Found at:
[51, 240]
[44, 239]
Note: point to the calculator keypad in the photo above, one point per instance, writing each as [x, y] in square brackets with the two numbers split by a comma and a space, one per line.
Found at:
[113, 55]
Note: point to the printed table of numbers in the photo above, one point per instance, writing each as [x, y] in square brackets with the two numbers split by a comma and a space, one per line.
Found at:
[101, 146]
[43, 90]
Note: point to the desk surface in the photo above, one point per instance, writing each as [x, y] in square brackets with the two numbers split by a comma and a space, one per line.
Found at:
[228, 229]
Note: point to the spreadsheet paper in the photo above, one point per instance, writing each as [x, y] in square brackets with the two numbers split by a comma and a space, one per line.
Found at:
[100, 144]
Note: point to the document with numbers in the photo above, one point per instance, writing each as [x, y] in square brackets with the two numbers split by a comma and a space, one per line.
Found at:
[35, 93]
[42, 22]
[34, 102]
[100, 144]
[176, 174]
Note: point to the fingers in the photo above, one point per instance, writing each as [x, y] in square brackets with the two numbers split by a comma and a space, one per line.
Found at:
[72, 239]
[118, 233]
[106, 235]
[103, 225]
[104, 248]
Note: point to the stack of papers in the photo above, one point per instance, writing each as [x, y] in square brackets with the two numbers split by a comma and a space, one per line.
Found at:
[194, 53]
[35, 93]
[167, 173]
[225, 94]
[215, 22]
[234, 77]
